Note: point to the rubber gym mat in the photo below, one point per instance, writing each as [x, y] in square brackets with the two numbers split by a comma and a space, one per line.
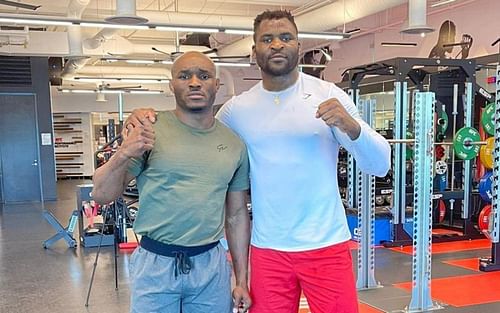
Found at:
[452, 246]
[466, 290]
[470, 264]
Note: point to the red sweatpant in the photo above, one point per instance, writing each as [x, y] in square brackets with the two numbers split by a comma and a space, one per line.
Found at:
[324, 275]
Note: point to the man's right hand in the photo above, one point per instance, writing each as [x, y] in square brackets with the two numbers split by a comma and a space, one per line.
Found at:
[137, 139]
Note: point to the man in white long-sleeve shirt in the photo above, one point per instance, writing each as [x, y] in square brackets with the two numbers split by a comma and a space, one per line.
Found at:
[293, 125]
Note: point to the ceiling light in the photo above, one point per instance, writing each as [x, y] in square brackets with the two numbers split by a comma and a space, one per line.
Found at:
[440, 3]
[312, 65]
[140, 61]
[167, 62]
[326, 36]
[398, 44]
[187, 29]
[107, 25]
[146, 92]
[34, 21]
[124, 80]
[232, 64]
[239, 31]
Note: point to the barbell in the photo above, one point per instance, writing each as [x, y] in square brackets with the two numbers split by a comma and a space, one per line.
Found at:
[466, 143]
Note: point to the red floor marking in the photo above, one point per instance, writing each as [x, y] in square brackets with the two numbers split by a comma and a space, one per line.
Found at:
[471, 264]
[444, 231]
[464, 290]
[452, 246]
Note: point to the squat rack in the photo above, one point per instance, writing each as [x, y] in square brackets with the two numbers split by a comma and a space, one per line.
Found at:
[414, 70]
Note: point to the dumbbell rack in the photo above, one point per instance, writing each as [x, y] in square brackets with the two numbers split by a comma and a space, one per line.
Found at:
[493, 263]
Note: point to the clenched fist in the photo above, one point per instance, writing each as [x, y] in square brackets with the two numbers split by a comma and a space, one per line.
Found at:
[138, 139]
[335, 115]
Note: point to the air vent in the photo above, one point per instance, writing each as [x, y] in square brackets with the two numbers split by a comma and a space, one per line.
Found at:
[15, 71]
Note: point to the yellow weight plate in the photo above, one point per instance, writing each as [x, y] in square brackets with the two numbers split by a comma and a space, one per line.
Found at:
[486, 153]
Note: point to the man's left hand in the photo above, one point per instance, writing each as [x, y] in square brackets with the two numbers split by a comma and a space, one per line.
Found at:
[335, 115]
[241, 299]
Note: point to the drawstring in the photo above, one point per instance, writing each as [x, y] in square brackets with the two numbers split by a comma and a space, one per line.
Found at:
[182, 263]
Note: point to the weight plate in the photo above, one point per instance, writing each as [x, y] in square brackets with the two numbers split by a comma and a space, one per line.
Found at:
[484, 218]
[487, 119]
[486, 153]
[462, 150]
[439, 211]
[409, 154]
[439, 152]
[441, 167]
[486, 186]
[442, 122]
[379, 200]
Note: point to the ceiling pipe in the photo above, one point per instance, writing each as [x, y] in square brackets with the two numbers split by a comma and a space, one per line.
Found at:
[417, 18]
[98, 39]
[323, 19]
[77, 59]
[126, 14]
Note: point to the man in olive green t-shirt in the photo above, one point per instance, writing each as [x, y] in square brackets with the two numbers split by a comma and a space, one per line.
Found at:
[187, 166]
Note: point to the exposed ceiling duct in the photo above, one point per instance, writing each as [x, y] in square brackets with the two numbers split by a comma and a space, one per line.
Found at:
[417, 18]
[322, 19]
[126, 14]
[77, 59]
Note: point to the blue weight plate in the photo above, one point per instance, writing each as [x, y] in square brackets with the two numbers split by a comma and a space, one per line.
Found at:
[486, 186]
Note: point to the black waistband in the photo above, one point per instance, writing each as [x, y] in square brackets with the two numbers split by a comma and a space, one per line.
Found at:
[173, 250]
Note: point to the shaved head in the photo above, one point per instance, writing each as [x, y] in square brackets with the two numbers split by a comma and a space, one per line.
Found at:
[192, 58]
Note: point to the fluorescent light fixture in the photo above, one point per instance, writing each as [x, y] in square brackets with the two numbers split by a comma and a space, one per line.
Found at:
[188, 29]
[231, 64]
[326, 36]
[146, 92]
[125, 80]
[313, 65]
[398, 44]
[239, 31]
[118, 26]
[140, 61]
[437, 4]
[167, 62]
[80, 91]
[34, 21]
[110, 91]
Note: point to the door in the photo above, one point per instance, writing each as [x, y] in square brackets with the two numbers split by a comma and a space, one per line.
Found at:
[19, 148]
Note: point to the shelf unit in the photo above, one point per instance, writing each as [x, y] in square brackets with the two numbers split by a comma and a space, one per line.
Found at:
[73, 148]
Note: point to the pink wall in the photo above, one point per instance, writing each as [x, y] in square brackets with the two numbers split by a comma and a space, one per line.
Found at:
[479, 18]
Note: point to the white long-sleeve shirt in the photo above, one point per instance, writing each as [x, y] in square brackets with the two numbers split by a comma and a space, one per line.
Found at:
[296, 204]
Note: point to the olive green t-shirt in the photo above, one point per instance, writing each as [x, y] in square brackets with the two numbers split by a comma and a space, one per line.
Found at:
[183, 182]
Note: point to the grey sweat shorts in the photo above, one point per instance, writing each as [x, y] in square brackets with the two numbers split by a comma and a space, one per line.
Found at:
[205, 289]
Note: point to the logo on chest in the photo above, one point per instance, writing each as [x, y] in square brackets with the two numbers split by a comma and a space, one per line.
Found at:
[221, 147]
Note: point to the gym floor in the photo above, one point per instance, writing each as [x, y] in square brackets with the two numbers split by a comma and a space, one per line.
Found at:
[34, 279]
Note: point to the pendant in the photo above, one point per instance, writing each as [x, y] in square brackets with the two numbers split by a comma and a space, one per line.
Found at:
[276, 100]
